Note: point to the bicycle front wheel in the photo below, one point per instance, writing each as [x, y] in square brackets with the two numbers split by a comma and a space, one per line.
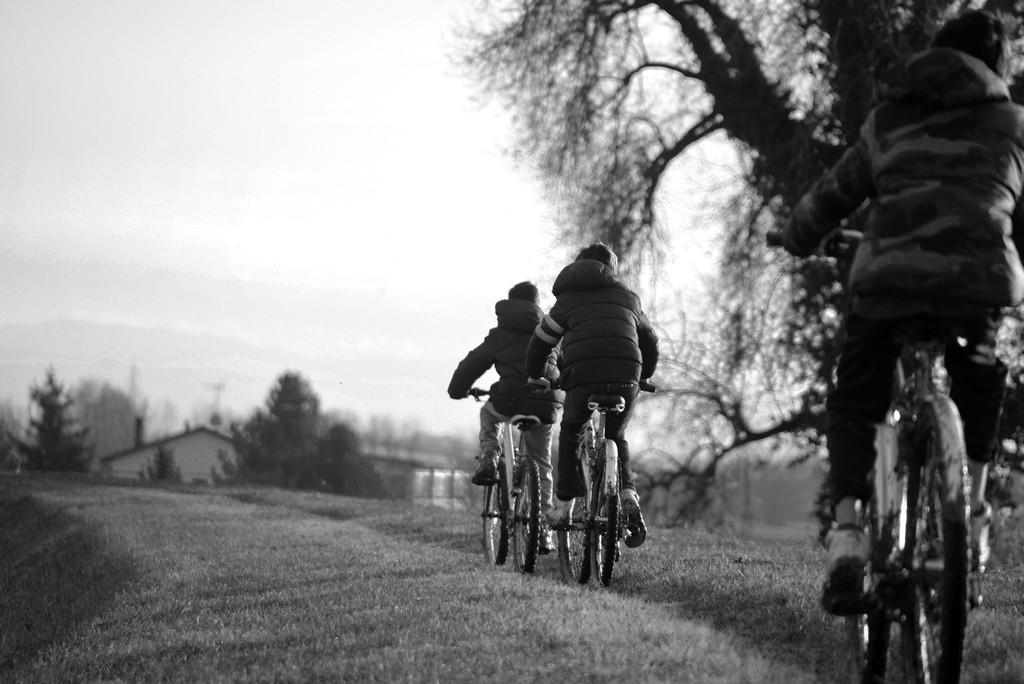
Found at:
[937, 552]
[526, 521]
[604, 533]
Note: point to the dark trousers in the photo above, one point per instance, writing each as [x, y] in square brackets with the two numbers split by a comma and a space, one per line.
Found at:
[575, 414]
[864, 384]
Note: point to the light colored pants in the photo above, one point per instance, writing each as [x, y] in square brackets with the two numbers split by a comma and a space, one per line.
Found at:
[537, 443]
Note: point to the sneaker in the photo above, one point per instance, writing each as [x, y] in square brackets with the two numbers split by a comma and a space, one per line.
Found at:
[560, 515]
[636, 529]
[981, 551]
[487, 472]
[547, 543]
[848, 551]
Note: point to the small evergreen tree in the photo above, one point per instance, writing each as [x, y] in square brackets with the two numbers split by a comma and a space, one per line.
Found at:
[55, 439]
[340, 466]
[278, 445]
[163, 467]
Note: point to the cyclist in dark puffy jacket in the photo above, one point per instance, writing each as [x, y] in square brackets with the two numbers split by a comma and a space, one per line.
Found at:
[504, 348]
[607, 346]
[941, 159]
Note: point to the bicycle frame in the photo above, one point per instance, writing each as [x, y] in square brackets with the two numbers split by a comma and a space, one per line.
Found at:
[611, 456]
[512, 505]
[588, 450]
[919, 445]
[512, 454]
[910, 393]
[590, 544]
[923, 359]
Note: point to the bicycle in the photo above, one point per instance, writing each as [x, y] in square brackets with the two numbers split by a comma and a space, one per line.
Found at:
[590, 544]
[512, 513]
[920, 575]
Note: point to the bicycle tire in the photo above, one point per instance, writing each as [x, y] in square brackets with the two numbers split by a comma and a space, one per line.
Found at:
[937, 553]
[526, 521]
[492, 524]
[574, 544]
[501, 553]
[604, 534]
[867, 634]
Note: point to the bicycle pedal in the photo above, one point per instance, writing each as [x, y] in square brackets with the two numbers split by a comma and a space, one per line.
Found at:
[974, 591]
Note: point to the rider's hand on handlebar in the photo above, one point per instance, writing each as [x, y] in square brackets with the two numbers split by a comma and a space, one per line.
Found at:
[539, 384]
[840, 243]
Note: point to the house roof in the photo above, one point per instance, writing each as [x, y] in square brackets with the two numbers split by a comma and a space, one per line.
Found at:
[418, 458]
[165, 440]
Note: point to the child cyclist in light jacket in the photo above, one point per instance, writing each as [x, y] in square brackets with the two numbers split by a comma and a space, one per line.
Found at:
[504, 348]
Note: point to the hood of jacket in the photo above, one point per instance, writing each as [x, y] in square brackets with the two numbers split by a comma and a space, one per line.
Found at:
[518, 314]
[942, 77]
[586, 274]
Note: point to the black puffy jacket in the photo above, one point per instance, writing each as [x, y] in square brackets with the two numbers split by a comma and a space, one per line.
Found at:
[504, 347]
[605, 335]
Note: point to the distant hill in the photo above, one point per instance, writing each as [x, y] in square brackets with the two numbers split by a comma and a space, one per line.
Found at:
[180, 368]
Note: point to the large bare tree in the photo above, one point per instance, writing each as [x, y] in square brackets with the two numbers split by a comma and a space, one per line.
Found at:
[608, 97]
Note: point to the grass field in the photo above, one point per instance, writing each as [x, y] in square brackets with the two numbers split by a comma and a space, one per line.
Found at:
[101, 582]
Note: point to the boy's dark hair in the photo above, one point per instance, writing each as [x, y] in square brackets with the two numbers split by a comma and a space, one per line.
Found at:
[599, 251]
[525, 290]
[980, 34]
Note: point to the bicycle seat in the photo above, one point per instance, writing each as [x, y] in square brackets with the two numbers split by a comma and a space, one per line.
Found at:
[608, 402]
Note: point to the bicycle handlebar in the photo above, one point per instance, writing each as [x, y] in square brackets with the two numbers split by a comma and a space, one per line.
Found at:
[645, 386]
[838, 243]
[476, 393]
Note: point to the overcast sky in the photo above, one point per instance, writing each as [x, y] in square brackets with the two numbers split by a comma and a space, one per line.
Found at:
[308, 174]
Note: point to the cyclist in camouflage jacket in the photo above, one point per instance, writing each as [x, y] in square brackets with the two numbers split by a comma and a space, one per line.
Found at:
[504, 348]
[940, 160]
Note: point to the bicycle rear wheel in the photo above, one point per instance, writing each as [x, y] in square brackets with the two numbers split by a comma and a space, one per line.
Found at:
[937, 553]
[493, 521]
[501, 504]
[526, 521]
[604, 534]
[574, 544]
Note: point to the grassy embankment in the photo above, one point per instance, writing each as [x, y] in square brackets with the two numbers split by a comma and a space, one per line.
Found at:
[133, 583]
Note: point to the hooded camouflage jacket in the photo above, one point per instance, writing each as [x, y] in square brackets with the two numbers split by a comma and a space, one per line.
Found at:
[504, 347]
[941, 158]
[605, 336]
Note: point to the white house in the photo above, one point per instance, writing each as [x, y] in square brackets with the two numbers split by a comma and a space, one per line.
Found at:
[197, 452]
